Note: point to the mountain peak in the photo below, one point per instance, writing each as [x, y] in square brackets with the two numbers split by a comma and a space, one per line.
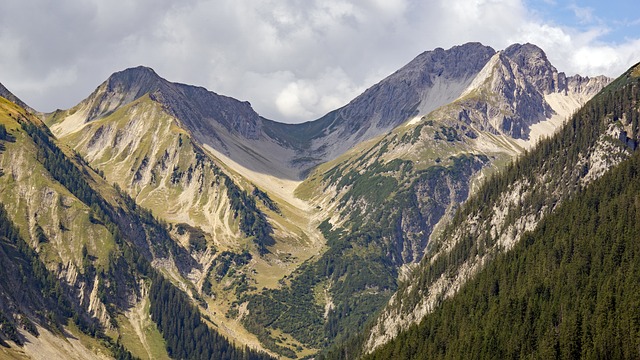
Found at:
[524, 51]
[143, 78]
[196, 107]
[140, 69]
[534, 64]
[454, 62]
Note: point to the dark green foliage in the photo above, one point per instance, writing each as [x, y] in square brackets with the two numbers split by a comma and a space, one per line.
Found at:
[252, 221]
[5, 135]
[415, 136]
[40, 236]
[8, 331]
[186, 335]
[569, 289]
[224, 261]
[59, 165]
[32, 272]
[266, 200]
[447, 133]
[29, 290]
[197, 237]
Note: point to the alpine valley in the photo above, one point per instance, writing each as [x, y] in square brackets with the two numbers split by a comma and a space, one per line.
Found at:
[475, 203]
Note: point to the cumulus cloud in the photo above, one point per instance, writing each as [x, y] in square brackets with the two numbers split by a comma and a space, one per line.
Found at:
[294, 60]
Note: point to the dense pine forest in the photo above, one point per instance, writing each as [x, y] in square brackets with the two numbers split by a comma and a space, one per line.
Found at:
[186, 335]
[32, 293]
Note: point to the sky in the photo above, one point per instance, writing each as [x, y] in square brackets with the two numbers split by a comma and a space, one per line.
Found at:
[293, 60]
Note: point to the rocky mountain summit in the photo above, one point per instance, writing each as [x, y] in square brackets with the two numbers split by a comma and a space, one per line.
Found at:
[433, 79]
[519, 88]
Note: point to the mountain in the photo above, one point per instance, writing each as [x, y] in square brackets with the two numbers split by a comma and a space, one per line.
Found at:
[84, 264]
[597, 138]
[432, 79]
[562, 290]
[384, 198]
[292, 236]
[137, 130]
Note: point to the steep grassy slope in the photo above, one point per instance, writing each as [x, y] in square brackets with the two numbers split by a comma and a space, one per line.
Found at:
[145, 152]
[69, 235]
[90, 248]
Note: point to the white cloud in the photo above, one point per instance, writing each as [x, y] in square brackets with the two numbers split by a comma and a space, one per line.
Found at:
[294, 60]
[584, 14]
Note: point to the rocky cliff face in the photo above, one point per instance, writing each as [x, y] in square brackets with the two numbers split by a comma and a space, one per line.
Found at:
[518, 88]
[432, 79]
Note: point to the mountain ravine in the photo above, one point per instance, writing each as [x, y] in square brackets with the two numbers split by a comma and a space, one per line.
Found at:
[289, 237]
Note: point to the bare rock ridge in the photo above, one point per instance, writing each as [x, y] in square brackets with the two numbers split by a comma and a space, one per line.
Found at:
[433, 79]
[544, 77]
[406, 92]
[517, 79]
[195, 106]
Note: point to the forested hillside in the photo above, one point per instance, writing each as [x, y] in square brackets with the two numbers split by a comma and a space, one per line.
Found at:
[576, 262]
[567, 290]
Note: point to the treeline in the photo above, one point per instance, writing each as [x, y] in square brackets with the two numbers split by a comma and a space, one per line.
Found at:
[568, 290]
[28, 283]
[4, 136]
[556, 159]
[59, 165]
[185, 334]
